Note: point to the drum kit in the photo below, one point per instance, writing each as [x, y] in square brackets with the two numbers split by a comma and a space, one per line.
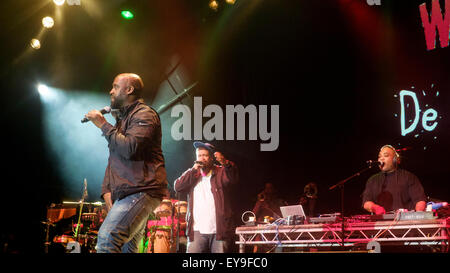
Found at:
[164, 230]
[73, 236]
[81, 236]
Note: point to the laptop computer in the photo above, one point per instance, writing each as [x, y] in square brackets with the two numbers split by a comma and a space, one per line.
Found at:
[295, 210]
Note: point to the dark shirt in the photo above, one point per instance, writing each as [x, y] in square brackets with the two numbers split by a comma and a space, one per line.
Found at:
[136, 161]
[222, 178]
[399, 189]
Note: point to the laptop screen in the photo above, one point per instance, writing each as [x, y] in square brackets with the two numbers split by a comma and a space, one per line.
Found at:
[292, 210]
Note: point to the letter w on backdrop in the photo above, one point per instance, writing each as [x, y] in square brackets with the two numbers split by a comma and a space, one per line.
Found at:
[438, 20]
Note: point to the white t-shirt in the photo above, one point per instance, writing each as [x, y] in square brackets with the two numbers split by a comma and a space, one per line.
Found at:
[204, 210]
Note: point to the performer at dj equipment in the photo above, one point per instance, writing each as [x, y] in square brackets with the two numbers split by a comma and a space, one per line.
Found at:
[209, 215]
[135, 177]
[392, 188]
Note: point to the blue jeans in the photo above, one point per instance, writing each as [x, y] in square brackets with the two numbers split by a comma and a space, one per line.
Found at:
[124, 225]
[206, 243]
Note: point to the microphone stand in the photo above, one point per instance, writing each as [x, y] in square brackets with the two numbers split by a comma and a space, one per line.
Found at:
[340, 184]
[47, 224]
[77, 235]
[175, 99]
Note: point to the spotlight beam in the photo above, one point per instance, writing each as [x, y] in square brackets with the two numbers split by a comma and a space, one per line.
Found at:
[59, 2]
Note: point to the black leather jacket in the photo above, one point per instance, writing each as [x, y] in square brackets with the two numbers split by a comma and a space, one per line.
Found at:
[136, 161]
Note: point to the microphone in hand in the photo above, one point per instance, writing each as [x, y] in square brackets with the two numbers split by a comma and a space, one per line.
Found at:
[105, 110]
[198, 165]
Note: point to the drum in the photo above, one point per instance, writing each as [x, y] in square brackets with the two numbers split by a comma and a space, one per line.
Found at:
[161, 240]
[63, 239]
[181, 208]
[89, 217]
[164, 209]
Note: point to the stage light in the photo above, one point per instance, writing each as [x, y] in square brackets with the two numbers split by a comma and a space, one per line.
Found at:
[35, 43]
[127, 14]
[214, 5]
[48, 22]
[42, 89]
[59, 2]
[231, 2]
[82, 153]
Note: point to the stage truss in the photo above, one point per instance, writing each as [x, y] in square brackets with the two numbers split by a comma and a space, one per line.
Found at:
[434, 232]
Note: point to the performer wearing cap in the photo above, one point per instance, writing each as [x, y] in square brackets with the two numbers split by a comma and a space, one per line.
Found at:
[392, 188]
[209, 215]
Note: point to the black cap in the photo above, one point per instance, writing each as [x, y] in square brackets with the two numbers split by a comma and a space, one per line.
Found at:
[209, 147]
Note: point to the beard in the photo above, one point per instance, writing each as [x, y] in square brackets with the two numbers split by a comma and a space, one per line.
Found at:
[117, 102]
[207, 166]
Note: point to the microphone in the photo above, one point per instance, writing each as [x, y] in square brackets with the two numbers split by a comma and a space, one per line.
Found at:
[374, 162]
[215, 162]
[105, 110]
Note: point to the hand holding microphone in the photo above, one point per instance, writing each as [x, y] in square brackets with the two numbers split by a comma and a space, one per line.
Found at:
[198, 165]
[96, 116]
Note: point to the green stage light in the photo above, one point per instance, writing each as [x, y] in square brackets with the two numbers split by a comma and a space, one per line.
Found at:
[127, 14]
